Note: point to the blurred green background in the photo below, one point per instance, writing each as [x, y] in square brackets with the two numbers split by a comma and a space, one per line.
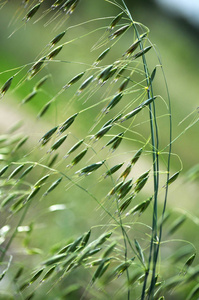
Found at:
[176, 41]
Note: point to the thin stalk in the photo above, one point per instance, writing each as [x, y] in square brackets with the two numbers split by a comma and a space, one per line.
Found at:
[15, 232]
[155, 143]
[168, 175]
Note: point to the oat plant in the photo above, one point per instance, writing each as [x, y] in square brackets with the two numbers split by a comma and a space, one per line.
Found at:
[100, 146]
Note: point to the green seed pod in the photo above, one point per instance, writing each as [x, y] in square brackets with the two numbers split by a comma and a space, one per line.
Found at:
[114, 101]
[173, 178]
[73, 247]
[132, 48]
[54, 259]
[94, 251]
[136, 156]
[36, 67]
[48, 274]
[119, 32]
[104, 73]
[125, 204]
[124, 84]
[98, 272]
[115, 21]
[72, 7]
[53, 160]
[67, 123]
[18, 274]
[26, 171]
[68, 263]
[190, 260]
[67, 5]
[119, 74]
[36, 276]
[18, 204]
[103, 238]
[115, 189]
[102, 55]
[124, 189]
[131, 114]
[64, 249]
[126, 172]
[142, 52]
[8, 199]
[32, 11]
[85, 238]
[58, 143]
[115, 141]
[54, 52]
[48, 135]
[140, 252]
[53, 186]
[57, 38]
[56, 4]
[73, 148]
[118, 117]
[147, 102]
[73, 80]
[119, 270]
[113, 170]
[32, 194]
[3, 170]
[140, 184]
[110, 74]
[152, 76]
[140, 207]
[20, 144]
[109, 250]
[44, 109]
[144, 175]
[6, 86]
[108, 123]
[24, 286]
[16, 171]
[102, 132]
[41, 82]
[89, 169]
[85, 84]
[29, 97]
[41, 181]
[79, 157]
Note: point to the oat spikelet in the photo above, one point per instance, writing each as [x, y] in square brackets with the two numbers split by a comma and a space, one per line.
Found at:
[32, 12]
[54, 52]
[6, 86]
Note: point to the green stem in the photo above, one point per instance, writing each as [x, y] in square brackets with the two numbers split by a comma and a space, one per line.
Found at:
[155, 144]
[15, 232]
